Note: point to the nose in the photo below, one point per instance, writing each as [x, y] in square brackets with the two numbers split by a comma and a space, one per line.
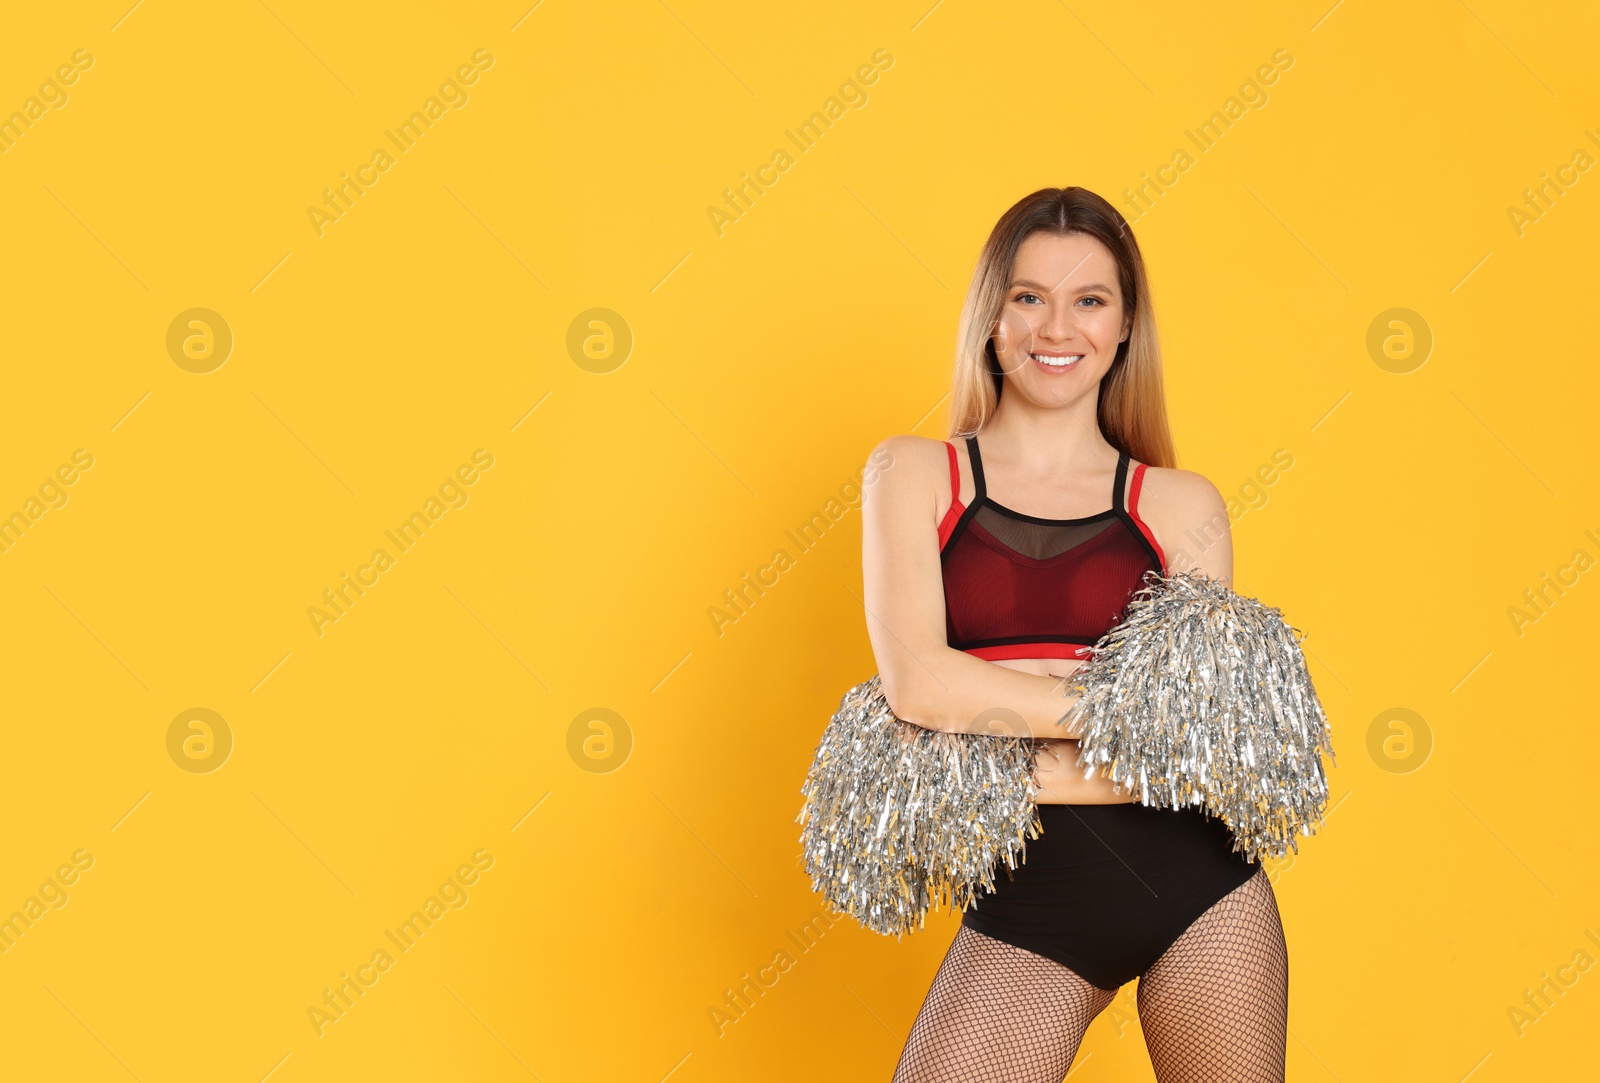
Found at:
[1058, 323]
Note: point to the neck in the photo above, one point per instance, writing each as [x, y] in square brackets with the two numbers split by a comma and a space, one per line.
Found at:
[1051, 439]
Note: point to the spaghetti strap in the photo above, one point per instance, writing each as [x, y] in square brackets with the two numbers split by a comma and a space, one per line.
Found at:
[978, 487]
[1145, 533]
[1119, 484]
[955, 475]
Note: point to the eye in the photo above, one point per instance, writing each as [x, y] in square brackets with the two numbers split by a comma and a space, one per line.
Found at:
[1098, 301]
[1024, 295]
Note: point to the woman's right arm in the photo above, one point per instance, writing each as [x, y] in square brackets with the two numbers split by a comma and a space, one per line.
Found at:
[926, 681]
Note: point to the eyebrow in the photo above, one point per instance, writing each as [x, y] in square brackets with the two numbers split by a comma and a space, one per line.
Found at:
[1090, 288]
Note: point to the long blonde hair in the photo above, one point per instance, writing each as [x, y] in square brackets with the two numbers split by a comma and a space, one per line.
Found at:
[1132, 410]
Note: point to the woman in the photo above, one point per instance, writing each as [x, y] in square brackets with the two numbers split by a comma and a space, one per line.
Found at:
[987, 573]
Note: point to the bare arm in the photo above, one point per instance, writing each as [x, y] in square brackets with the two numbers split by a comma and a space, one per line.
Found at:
[926, 681]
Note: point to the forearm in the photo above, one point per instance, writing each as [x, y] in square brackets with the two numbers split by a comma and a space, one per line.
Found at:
[956, 692]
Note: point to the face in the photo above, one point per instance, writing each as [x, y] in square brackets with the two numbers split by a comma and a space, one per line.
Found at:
[1062, 319]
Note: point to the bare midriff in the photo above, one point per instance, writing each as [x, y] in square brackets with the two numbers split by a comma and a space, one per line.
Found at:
[1060, 781]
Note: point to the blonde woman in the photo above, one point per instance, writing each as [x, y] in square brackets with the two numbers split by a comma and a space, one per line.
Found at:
[988, 569]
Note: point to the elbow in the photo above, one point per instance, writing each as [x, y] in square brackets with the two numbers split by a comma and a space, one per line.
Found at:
[903, 694]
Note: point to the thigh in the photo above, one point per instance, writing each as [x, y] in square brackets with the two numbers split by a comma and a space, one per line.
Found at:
[1215, 1005]
[997, 1012]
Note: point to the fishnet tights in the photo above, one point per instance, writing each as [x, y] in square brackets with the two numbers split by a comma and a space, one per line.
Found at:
[1214, 1006]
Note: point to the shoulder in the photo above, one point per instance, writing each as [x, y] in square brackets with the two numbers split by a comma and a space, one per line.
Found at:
[907, 472]
[921, 457]
[1190, 519]
[1180, 494]
[1177, 502]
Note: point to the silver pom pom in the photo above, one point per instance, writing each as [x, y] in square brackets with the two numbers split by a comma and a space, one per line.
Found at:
[899, 819]
[1200, 696]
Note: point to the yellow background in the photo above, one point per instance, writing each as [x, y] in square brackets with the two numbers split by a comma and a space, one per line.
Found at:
[431, 720]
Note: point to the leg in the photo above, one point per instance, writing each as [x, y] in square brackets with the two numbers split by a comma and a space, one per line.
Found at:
[1000, 1014]
[1216, 1004]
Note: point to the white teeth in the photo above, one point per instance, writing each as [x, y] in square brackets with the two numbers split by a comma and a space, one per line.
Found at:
[1058, 362]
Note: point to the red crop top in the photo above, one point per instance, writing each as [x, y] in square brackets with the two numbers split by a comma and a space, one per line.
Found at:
[1017, 586]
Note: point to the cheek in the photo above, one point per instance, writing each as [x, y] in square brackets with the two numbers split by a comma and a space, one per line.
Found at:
[1019, 331]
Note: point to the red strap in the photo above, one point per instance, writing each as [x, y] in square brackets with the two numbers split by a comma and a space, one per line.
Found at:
[1133, 510]
[948, 524]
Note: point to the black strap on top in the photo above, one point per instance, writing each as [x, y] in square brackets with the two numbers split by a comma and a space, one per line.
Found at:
[979, 490]
[1119, 485]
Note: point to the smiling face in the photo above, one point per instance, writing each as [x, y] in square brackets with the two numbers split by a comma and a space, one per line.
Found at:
[1062, 319]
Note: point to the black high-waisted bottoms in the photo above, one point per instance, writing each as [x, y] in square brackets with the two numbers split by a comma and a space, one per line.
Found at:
[1107, 888]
